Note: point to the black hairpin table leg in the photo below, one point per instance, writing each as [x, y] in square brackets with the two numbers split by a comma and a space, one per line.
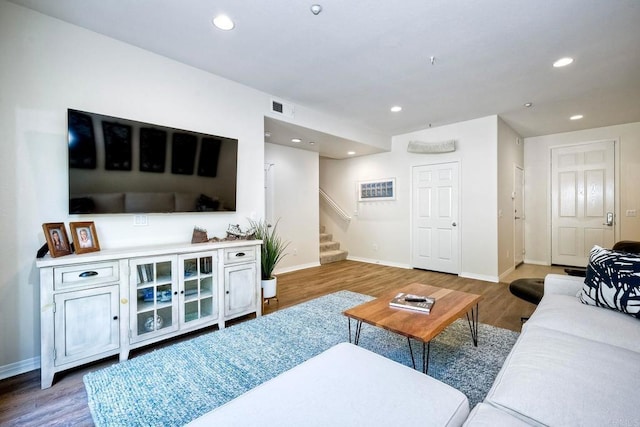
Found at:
[473, 324]
[357, 332]
[426, 349]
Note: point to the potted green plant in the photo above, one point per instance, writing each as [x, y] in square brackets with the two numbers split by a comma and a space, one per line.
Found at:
[272, 252]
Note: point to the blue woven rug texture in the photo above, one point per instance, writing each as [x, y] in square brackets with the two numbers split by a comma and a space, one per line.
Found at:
[173, 385]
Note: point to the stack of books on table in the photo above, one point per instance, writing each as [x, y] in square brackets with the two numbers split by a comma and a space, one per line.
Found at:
[413, 302]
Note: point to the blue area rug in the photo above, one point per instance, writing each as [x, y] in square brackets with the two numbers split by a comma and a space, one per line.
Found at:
[175, 384]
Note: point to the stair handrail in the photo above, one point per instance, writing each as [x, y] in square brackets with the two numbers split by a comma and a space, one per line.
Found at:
[341, 212]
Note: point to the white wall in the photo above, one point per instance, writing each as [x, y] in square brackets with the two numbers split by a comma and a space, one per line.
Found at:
[385, 224]
[510, 154]
[50, 66]
[295, 190]
[537, 184]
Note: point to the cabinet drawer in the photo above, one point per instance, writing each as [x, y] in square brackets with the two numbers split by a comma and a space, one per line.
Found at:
[85, 275]
[240, 254]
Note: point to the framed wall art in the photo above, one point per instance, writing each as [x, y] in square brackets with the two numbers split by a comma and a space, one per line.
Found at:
[85, 238]
[377, 190]
[57, 240]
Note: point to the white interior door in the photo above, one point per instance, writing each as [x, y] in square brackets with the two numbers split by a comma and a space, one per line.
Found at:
[434, 217]
[518, 215]
[583, 201]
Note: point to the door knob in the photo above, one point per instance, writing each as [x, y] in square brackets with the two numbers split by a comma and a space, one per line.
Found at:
[453, 224]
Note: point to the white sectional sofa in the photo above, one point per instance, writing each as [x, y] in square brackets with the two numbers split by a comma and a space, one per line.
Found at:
[573, 365]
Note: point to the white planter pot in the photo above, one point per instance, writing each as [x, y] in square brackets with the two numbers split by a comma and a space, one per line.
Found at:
[269, 288]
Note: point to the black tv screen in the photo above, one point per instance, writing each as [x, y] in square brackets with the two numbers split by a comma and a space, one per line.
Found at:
[124, 166]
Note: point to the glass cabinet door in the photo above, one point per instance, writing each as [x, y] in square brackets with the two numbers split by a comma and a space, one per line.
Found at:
[153, 301]
[198, 288]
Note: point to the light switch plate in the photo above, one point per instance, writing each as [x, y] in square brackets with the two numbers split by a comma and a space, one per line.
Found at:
[140, 220]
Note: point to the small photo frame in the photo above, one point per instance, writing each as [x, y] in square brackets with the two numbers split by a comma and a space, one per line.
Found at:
[57, 240]
[85, 238]
[376, 190]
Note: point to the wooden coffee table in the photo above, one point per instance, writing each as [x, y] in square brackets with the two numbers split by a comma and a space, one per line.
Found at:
[449, 306]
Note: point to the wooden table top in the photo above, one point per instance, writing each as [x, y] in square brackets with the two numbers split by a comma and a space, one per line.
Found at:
[449, 306]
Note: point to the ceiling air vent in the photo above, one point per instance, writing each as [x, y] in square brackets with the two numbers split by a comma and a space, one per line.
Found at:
[282, 108]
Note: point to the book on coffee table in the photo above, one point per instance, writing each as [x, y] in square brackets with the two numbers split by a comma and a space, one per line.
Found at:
[413, 302]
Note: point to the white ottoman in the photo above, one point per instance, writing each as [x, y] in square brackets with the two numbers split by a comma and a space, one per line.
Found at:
[345, 386]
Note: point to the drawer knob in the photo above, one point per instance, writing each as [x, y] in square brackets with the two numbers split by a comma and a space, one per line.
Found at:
[88, 274]
[240, 254]
[115, 317]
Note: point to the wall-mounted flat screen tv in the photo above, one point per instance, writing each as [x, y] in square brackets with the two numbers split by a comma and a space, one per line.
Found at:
[123, 166]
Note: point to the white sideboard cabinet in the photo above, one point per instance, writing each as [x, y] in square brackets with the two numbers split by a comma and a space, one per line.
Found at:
[105, 303]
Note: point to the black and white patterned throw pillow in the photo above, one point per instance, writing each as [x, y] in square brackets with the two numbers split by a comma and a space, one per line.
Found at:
[613, 281]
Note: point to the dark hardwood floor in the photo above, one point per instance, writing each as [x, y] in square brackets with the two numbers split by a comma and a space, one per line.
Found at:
[23, 403]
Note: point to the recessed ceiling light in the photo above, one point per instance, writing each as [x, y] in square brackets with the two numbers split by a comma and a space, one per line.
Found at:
[351, 153]
[576, 117]
[296, 140]
[563, 62]
[312, 143]
[528, 104]
[396, 108]
[223, 22]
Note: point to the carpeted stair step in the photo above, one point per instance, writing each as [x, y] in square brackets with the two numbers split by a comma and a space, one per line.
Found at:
[333, 256]
[325, 237]
[329, 250]
[329, 246]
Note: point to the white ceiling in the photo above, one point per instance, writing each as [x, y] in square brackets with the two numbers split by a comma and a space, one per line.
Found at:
[358, 58]
[282, 133]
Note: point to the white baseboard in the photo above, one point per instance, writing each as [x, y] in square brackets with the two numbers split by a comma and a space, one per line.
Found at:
[494, 279]
[536, 262]
[20, 367]
[506, 273]
[379, 262]
[296, 268]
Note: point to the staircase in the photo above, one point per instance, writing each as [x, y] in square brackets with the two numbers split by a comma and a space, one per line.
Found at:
[329, 250]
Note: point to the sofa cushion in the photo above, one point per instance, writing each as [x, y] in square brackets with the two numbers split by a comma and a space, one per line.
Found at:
[613, 281]
[559, 379]
[485, 415]
[562, 284]
[345, 385]
[566, 314]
